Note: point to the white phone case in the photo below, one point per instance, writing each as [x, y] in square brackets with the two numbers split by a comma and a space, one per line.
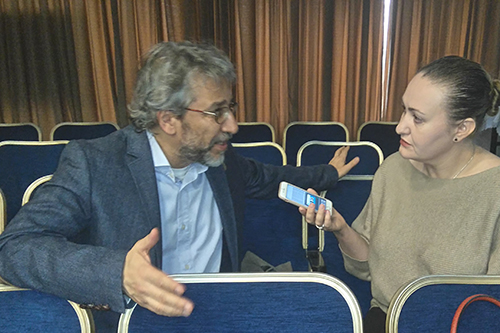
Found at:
[306, 197]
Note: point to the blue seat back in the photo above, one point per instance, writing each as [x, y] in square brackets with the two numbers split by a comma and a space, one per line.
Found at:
[20, 132]
[381, 133]
[428, 304]
[321, 152]
[254, 132]
[272, 228]
[348, 197]
[272, 302]
[83, 130]
[298, 133]
[23, 310]
[21, 163]
[264, 152]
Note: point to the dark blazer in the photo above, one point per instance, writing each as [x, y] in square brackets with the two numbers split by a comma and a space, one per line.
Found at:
[71, 239]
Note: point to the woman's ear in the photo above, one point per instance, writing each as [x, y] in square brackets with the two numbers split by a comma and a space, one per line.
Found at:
[167, 121]
[464, 129]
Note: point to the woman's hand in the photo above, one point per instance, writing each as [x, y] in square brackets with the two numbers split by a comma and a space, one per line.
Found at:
[323, 219]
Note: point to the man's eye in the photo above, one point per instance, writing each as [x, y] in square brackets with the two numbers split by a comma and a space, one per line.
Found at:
[220, 111]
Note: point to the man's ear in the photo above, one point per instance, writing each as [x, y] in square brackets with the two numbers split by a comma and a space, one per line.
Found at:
[465, 128]
[167, 121]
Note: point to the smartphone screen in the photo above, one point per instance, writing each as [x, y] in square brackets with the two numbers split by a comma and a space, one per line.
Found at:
[302, 197]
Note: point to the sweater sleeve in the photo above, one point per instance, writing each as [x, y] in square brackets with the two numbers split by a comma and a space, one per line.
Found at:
[494, 260]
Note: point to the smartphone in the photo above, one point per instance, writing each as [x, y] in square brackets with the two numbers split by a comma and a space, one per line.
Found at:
[300, 197]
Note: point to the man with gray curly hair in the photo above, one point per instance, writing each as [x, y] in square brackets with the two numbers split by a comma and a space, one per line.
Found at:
[162, 196]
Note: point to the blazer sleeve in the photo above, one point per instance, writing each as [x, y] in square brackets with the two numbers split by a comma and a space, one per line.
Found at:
[39, 248]
[261, 181]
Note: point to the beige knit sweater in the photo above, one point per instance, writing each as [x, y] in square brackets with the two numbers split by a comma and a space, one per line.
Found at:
[417, 225]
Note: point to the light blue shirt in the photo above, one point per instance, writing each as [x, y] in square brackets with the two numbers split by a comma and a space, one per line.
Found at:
[190, 219]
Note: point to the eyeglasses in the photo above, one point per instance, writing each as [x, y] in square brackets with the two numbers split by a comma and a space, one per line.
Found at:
[220, 114]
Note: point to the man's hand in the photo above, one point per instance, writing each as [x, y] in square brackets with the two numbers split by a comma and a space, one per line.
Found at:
[338, 161]
[150, 287]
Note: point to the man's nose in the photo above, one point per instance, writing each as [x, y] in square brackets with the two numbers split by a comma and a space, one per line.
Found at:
[230, 125]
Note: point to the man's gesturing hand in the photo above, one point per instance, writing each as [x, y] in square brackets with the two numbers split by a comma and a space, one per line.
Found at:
[150, 287]
[338, 161]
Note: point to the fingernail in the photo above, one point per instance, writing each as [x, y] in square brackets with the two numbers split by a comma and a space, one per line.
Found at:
[179, 290]
[188, 308]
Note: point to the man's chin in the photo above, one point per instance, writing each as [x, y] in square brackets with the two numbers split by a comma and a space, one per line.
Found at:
[212, 160]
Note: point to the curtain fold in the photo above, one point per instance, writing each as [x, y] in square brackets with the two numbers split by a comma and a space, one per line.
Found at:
[37, 62]
[424, 31]
[313, 61]
[307, 60]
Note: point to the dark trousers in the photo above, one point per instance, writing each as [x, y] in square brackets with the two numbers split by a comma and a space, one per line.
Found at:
[374, 321]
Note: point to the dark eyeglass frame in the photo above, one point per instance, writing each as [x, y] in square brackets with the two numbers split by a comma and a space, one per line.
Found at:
[220, 114]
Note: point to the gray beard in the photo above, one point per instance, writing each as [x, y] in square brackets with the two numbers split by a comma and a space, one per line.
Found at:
[190, 152]
[200, 155]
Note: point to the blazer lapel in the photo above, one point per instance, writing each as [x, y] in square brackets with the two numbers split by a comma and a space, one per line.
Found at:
[218, 182]
[140, 163]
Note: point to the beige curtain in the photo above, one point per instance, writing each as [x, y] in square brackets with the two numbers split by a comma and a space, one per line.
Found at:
[38, 63]
[309, 60]
[426, 30]
[313, 60]
[63, 60]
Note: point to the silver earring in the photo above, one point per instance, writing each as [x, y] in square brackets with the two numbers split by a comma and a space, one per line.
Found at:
[455, 139]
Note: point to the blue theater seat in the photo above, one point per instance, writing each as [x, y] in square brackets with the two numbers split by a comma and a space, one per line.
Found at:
[348, 197]
[428, 304]
[258, 302]
[254, 132]
[82, 130]
[299, 132]
[382, 133]
[20, 132]
[24, 311]
[21, 163]
[272, 228]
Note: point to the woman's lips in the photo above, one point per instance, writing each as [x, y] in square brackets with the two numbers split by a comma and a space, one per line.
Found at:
[404, 143]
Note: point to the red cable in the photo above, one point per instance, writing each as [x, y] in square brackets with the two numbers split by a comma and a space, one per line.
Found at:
[466, 302]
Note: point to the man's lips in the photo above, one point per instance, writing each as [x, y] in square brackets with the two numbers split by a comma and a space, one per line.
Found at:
[221, 145]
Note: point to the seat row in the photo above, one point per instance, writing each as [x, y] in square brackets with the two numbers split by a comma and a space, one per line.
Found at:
[62, 131]
[295, 135]
[270, 302]
[273, 228]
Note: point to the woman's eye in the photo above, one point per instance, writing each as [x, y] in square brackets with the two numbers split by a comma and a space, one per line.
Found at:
[417, 120]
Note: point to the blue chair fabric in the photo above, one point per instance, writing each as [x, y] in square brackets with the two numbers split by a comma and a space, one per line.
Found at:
[264, 152]
[272, 228]
[298, 133]
[258, 302]
[428, 304]
[24, 310]
[381, 133]
[348, 197]
[20, 132]
[21, 163]
[82, 130]
[254, 132]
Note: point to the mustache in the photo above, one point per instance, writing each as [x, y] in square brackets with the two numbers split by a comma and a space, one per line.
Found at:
[223, 137]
